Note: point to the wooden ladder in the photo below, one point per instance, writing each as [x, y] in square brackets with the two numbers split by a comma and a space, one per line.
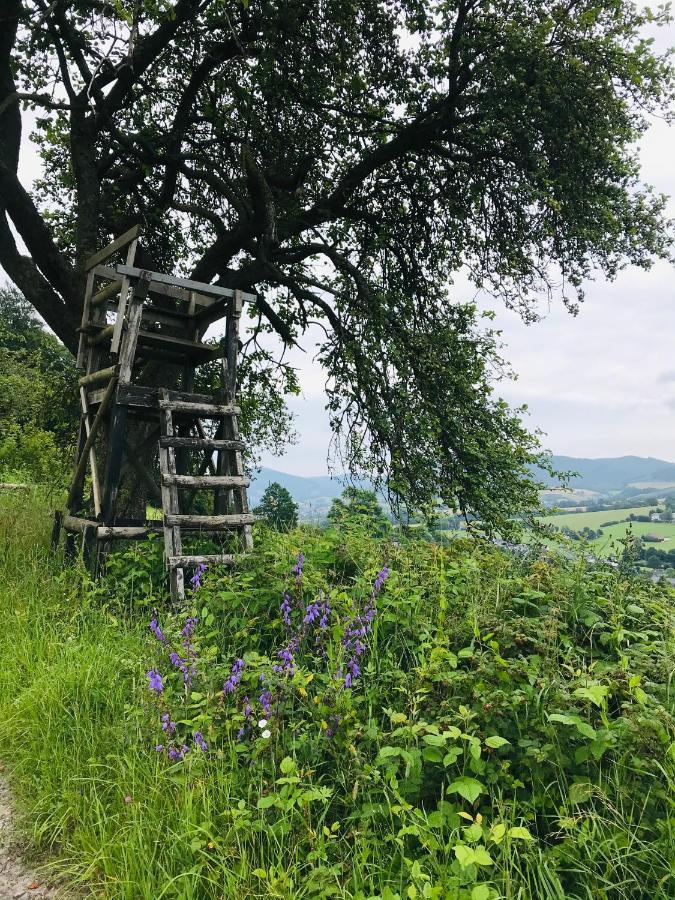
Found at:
[229, 484]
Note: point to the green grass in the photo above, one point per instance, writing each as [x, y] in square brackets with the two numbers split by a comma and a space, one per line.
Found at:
[593, 520]
[496, 694]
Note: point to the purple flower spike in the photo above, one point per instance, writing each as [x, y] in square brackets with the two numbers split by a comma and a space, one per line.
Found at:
[235, 676]
[156, 684]
[297, 568]
[199, 741]
[167, 725]
[196, 580]
[265, 700]
[189, 626]
[159, 748]
[156, 630]
[286, 610]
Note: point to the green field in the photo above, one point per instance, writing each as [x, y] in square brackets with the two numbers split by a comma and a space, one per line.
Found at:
[607, 544]
[594, 520]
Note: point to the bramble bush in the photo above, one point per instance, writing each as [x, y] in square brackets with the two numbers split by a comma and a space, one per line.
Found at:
[346, 716]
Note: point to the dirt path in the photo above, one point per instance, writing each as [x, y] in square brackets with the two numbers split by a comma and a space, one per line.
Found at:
[17, 881]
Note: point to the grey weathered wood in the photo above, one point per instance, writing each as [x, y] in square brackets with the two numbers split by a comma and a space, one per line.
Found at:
[89, 287]
[223, 559]
[199, 286]
[128, 350]
[134, 461]
[178, 345]
[120, 242]
[10, 486]
[93, 465]
[120, 320]
[104, 295]
[199, 443]
[224, 521]
[89, 443]
[98, 377]
[77, 524]
[206, 481]
[203, 410]
[127, 532]
[103, 334]
[173, 542]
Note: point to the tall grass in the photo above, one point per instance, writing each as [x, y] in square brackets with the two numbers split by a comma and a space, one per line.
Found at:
[463, 636]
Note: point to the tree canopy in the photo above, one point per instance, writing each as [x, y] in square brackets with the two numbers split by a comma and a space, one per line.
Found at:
[345, 162]
[277, 507]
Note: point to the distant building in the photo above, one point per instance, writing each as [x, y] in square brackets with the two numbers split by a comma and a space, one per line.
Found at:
[655, 517]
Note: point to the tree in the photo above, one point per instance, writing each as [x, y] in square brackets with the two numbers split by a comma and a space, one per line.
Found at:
[362, 507]
[277, 507]
[38, 395]
[344, 162]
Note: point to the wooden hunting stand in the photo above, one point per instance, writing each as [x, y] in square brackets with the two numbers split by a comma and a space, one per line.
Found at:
[140, 343]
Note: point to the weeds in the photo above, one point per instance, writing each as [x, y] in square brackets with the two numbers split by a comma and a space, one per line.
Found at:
[507, 730]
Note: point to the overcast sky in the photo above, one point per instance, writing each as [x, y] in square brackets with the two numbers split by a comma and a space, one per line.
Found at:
[598, 384]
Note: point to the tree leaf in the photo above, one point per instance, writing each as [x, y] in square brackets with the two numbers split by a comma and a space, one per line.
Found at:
[466, 787]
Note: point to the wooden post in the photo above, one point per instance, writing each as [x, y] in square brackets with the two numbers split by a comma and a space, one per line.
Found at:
[56, 529]
[75, 491]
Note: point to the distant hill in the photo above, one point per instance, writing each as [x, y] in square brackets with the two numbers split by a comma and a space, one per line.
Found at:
[611, 475]
[614, 474]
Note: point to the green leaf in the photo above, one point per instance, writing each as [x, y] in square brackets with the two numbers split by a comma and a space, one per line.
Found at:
[519, 832]
[266, 802]
[452, 756]
[480, 892]
[465, 855]
[497, 832]
[468, 788]
[287, 765]
[482, 857]
[495, 742]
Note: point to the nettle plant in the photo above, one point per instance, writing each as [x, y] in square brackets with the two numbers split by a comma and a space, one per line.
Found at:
[208, 705]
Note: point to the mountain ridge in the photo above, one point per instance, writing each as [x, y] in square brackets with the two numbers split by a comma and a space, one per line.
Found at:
[601, 474]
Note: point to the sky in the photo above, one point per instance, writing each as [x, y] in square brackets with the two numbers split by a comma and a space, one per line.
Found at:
[601, 383]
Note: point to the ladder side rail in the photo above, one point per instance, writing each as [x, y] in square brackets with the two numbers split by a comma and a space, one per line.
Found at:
[173, 544]
[122, 303]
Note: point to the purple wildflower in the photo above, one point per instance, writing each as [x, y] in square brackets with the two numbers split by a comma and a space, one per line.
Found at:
[156, 630]
[241, 734]
[311, 613]
[177, 753]
[189, 626]
[156, 684]
[248, 710]
[287, 666]
[235, 676]
[188, 672]
[297, 568]
[265, 700]
[199, 741]
[196, 580]
[286, 609]
[358, 628]
[167, 724]
[159, 748]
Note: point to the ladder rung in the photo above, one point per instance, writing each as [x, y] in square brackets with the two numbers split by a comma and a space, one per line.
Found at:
[207, 410]
[181, 562]
[177, 344]
[206, 481]
[232, 520]
[195, 443]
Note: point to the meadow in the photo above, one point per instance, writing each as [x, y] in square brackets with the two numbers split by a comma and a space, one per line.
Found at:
[593, 520]
[340, 717]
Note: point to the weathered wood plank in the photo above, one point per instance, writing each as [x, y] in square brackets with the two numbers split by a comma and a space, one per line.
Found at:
[205, 410]
[98, 377]
[93, 465]
[120, 242]
[224, 521]
[181, 562]
[104, 333]
[76, 524]
[102, 296]
[89, 443]
[126, 532]
[206, 481]
[200, 287]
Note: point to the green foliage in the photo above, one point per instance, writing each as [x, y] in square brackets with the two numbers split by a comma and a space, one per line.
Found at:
[493, 139]
[38, 396]
[510, 735]
[361, 508]
[278, 508]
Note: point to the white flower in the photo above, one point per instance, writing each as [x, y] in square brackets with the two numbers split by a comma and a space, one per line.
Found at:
[262, 723]
[267, 733]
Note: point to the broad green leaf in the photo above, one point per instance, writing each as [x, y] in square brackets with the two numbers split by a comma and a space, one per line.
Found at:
[495, 742]
[482, 857]
[480, 892]
[287, 765]
[266, 802]
[519, 832]
[465, 855]
[467, 787]
[497, 832]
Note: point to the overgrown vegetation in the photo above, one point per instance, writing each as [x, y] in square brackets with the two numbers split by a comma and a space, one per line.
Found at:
[509, 732]
[38, 396]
